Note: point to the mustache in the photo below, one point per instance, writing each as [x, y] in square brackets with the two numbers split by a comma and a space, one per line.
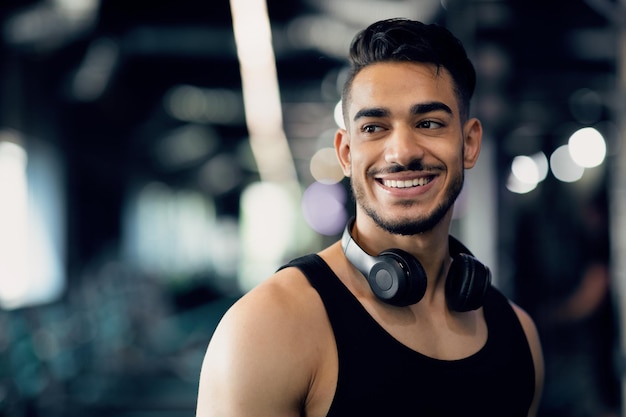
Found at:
[415, 165]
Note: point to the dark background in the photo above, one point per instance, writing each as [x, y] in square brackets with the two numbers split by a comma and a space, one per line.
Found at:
[126, 345]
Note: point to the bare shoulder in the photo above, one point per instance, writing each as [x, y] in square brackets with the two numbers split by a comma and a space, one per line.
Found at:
[279, 308]
[532, 335]
[283, 292]
[528, 325]
[262, 356]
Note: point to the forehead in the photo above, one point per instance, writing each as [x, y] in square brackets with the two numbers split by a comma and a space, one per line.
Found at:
[397, 85]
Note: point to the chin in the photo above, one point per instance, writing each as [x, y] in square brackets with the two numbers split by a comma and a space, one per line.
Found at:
[405, 226]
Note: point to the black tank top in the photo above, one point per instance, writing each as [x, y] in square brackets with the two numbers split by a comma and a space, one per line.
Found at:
[379, 376]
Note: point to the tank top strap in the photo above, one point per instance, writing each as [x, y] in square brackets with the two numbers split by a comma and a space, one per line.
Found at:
[348, 318]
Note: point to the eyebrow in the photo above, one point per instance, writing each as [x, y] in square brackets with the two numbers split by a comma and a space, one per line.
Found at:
[421, 108]
[371, 112]
[432, 106]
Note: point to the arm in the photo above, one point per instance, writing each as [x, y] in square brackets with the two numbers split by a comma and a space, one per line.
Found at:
[535, 347]
[258, 362]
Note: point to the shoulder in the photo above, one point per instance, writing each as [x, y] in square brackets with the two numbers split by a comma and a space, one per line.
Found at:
[497, 303]
[284, 301]
[532, 335]
[529, 328]
[276, 313]
[266, 339]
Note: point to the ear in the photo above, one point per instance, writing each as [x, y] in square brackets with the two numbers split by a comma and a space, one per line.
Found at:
[472, 137]
[342, 148]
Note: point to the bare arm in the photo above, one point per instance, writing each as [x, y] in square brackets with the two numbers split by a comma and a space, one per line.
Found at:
[258, 362]
[535, 347]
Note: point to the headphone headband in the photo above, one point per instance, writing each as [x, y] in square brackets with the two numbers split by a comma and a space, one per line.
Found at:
[351, 248]
[397, 277]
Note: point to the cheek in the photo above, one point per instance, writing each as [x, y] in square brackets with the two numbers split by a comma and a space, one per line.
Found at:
[363, 155]
[357, 167]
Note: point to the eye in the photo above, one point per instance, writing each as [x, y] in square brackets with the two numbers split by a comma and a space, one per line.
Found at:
[370, 129]
[429, 124]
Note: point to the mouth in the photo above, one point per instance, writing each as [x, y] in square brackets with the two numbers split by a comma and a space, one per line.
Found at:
[409, 183]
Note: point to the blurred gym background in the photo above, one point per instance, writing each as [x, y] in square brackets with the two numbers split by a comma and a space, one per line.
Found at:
[160, 158]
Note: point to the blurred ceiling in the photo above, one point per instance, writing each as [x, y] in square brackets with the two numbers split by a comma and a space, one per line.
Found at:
[101, 79]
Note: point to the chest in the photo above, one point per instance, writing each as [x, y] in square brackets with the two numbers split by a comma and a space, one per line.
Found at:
[442, 336]
[382, 348]
[371, 367]
[386, 370]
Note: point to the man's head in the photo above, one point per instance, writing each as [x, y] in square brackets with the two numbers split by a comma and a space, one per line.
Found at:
[403, 40]
[408, 136]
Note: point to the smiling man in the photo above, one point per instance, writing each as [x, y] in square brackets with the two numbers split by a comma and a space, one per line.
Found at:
[414, 113]
[397, 318]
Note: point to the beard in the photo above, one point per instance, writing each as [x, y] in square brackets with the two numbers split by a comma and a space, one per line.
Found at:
[422, 224]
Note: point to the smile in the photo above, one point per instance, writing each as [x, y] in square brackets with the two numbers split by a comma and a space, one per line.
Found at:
[417, 182]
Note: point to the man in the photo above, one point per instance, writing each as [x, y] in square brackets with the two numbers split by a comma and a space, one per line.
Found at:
[334, 334]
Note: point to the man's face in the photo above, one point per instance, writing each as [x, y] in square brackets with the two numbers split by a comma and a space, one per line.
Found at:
[405, 148]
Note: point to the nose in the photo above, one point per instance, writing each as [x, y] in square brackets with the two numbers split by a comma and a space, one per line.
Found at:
[403, 147]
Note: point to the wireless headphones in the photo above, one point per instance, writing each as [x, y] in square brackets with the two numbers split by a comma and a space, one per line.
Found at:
[397, 277]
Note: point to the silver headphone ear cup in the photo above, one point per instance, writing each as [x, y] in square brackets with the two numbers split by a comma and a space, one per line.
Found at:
[387, 278]
[398, 278]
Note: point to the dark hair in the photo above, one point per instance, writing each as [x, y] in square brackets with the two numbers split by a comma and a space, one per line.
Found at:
[400, 40]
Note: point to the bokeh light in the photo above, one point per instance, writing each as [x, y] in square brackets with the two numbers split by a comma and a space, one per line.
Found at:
[325, 167]
[527, 172]
[338, 115]
[563, 166]
[587, 147]
[323, 207]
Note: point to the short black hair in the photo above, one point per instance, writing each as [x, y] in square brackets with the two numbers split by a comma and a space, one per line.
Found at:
[405, 40]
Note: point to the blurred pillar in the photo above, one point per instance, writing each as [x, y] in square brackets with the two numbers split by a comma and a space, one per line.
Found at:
[618, 199]
[477, 207]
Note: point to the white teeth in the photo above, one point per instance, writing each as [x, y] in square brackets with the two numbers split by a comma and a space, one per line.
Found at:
[407, 183]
